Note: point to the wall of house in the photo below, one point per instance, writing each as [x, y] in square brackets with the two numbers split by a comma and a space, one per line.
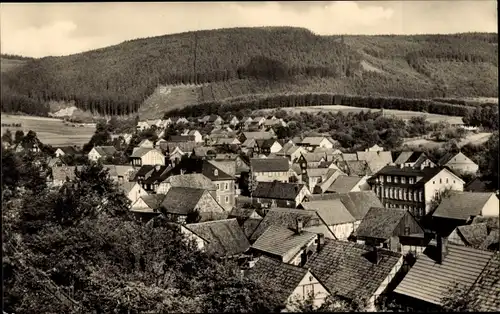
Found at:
[302, 289]
[136, 192]
[384, 284]
[342, 231]
[207, 204]
[140, 205]
[490, 209]
[153, 158]
[326, 143]
[416, 250]
[94, 155]
[276, 147]
[59, 153]
[200, 243]
[442, 181]
[295, 258]
[302, 194]
[225, 193]
[281, 176]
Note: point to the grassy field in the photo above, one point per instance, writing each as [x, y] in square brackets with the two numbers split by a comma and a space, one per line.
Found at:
[405, 115]
[50, 131]
[8, 64]
[474, 138]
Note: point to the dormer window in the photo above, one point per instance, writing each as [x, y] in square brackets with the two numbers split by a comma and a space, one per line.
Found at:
[388, 178]
[216, 172]
[411, 180]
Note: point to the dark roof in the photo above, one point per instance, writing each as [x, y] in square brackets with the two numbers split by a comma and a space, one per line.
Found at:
[224, 237]
[269, 164]
[105, 150]
[250, 225]
[346, 268]
[192, 180]
[487, 288]
[357, 203]
[215, 173]
[185, 147]
[355, 167]
[240, 212]
[427, 173]
[70, 150]
[63, 173]
[265, 144]
[278, 190]
[491, 222]
[380, 222]
[283, 242]
[154, 201]
[181, 201]
[258, 135]
[156, 174]
[286, 217]
[430, 281]
[462, 205]
[474, 234]
[286, 276]
[478, 185]
[181, 138]
[344, 184]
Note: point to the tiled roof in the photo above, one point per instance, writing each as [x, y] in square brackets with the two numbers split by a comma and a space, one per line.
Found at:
[153, 200]
[347, 157]
[61, 173]
[250, 225]
[403, 157]
[344, 184]
[333, 212]
[105, 150]
[314, 157]
[491, 241]
[157, 174]
[181, 138]
[185, 147]
[226, 165]
[258, 135]
[430, 281]
[214, 173]
[286, 276]
[491, 222]
[355, 167]
[53, 161]
[448, 157]
[119, 170]
[138, 152]
[203, 151]
[286, 217]
[269, 164]
[380, 222]
[278, 190]
[224, 237]
[240, 212]
[487, 288]
[462, 205]
[70, 150]
[376, 160]
[346, 268]
[474, 234]
[181, 201]
[126, 186]
[313, 140]
[477, 185]
[281, 241]
[317, 172]
[193, 180]
[357, 203]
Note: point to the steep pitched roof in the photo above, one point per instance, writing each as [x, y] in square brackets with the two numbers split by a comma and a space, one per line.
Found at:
[333, 212]
[314, 157]
[181, 200]
[258, 135]
[119, 170]
[203, 151]
[269, 164]
[61, 173]
[226, 165]
[250, 225]
[380, 222]
[281, 241]
[473, 234]
[138, 152]
[376, 160]
[487, 288]
[355, 167]
[357, 203]
[430, 281]
[313, 140]
[224, 237]
[193, 180]
[346, 269]
[126, 186]
[403, 157]
[347, 156]
[240, 212]
[185, 147]
[69, 150]
[448, 158]
[278, 190]
[153, 200]
[286, 276]
[286, 217]
[344, 184]
[105, 150]
[317, 172]
[214, 173]
[462, 205]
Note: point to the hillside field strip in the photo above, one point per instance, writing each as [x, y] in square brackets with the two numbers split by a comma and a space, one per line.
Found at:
[405, 115]
[50, 131]
[472, 138]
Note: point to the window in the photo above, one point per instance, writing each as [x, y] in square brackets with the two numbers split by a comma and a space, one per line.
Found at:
[446, 180]
[403, 180]
[400, 194]
[405, 194]
[420, 196]
[407, 230]
[440, 181]
[410, 195]
[227, 186]
[386, 192]
[218, 186]
[396, 179]
[391, 194]
[433, 182]
[308, 290]
[388, 178]
[227, 199]
[411, 180]
[453, 181]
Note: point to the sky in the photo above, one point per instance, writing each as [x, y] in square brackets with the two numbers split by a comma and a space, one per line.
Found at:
[55, 29]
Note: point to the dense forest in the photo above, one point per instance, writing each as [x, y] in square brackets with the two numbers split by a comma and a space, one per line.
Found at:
[245, 61]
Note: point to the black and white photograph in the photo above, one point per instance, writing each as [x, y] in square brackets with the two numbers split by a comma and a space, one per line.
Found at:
[250, 157]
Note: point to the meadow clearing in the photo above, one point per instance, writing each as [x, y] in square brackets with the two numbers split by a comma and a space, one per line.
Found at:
[405, 115]
[472, 138]
[50, 131]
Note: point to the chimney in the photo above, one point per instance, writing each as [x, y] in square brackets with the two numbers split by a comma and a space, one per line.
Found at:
[183, 171]
[321, 242]
[375, 253]
[300, 224]
[442, 248]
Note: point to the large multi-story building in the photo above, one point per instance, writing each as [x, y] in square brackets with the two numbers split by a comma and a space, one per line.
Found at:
[413, 188]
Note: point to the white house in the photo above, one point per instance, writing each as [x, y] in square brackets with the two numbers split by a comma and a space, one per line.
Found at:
[145, 143]
[99, 152]
[234, 121]
[198, 138]
[147, 156]
[312, 142]
[133, 191]
[459, 162]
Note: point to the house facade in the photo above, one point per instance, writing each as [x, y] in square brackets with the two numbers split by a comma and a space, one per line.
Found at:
[459, 163]
[270, 169]
[147, 156]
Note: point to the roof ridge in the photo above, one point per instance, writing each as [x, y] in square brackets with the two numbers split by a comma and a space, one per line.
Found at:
[211, 221]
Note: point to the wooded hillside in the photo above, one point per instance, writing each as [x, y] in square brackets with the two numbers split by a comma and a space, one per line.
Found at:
[239, 62]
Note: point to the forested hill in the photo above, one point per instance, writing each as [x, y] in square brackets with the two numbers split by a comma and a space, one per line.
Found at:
[173, 71]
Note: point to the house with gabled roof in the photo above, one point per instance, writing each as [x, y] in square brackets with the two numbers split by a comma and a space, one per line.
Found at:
[486, 289]
[312, 160]
[288, 218]
[142, 156]
[376, 160]
[145, 143]
[270, 169]
[66, 150]
[311, 142]
[280, 194]
[345, 184]
[291, 151]
[358, 168]
[221, 238]
[234, 121]
[150, 177]
[317, 179]
[59, 175]
[437, 270]
[147, 206]
[225, 183]
[191, 180]
[473, 235]
[269, 146]
[413, 159]
[55, 162]
[479, 185]
[132, 190]
[180, 202]
[262, 135]
[413, 188]
[357, 203]
[101, 152]
[384, 227]
[242, 214]
[355, 271]
[459, 162]
[120, 173]
[335, 215]
[458, 208]
[294, 283]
